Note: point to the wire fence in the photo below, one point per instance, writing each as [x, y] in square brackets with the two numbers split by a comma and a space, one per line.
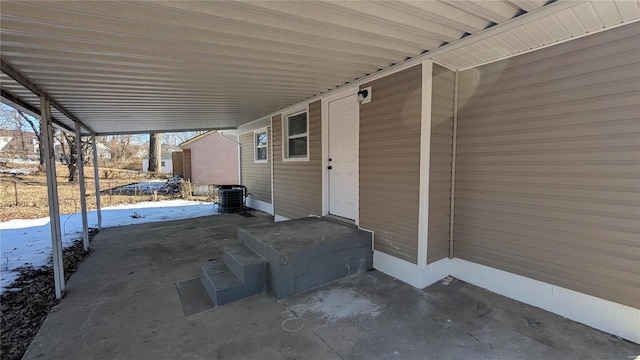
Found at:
[24, 194]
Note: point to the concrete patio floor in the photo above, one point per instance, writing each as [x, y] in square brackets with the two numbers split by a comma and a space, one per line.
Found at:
[124, 303]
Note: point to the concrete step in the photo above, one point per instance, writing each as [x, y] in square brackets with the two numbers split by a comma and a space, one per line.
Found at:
[246, 264]
[248, 239]
[223, 286]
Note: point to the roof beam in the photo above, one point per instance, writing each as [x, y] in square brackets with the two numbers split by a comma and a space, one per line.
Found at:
[28, 108]
[24, 81]
[18, 103]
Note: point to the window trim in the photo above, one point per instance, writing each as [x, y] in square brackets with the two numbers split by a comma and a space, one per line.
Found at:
[286, 137]
[255, 146]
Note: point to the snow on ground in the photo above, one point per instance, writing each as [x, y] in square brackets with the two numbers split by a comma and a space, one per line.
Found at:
[19, 161]
[17, 171]
[146, 187]
[28, 242]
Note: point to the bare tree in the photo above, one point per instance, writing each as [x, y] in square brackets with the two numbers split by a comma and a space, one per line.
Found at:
[120, 146]
[36, 131]
[155, 155]
[178, 138]
[69, 152]
[16, 120]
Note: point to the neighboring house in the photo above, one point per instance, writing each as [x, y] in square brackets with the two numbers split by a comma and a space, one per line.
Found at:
[21, 144]
[542, 202]
[166, 163]
[104, 152]
[4, 141]
[211, 159]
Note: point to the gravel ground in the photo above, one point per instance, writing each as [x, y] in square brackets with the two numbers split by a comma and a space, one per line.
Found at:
[26, 303]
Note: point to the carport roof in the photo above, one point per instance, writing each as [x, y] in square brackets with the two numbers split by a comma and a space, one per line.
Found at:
[142, 66]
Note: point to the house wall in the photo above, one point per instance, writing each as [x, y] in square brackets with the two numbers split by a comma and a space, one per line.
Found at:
[390, 162]
[166, 166]
[256, 176]
[297, 185]
[441, 149]
[214, 160]
[548, 165]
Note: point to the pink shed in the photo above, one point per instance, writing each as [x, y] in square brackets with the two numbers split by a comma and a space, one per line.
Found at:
[213, 160]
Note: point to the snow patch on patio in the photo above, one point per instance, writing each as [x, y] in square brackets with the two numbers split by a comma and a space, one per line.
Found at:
[28, 242]
[340, 304]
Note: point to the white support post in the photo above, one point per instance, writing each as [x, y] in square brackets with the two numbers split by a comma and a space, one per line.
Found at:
[425, 163]
[46, 128]
[454, 148]
[83, 190]
[96, 177]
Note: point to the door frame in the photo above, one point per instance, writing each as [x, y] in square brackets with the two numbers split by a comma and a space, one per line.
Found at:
[351, 90]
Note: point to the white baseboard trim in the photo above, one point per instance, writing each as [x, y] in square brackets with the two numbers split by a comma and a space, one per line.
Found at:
[278, 218]
[410, 273]
[605, 315]
[260, 205]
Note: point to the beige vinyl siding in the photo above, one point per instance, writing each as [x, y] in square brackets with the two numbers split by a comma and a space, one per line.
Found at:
[548, 165]
[441, 149]
[297, 185]
[390, 162]
[255, 176]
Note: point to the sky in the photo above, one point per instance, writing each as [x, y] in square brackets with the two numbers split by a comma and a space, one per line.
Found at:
[28, 242]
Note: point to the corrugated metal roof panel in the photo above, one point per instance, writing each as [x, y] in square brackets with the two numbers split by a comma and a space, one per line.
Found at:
[490, 10]
[170, 66]
[528, 5]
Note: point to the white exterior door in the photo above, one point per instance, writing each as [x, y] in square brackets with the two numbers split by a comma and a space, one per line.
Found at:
[343, 152]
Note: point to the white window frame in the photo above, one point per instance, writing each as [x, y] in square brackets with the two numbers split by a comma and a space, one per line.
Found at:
[286, 137]
[255, 146]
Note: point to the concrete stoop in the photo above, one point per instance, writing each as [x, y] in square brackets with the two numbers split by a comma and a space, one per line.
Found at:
[301, 254]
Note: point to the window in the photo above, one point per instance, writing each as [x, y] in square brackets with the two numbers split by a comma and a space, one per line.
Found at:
[162, 163]
[261, 148]
[296, 136]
